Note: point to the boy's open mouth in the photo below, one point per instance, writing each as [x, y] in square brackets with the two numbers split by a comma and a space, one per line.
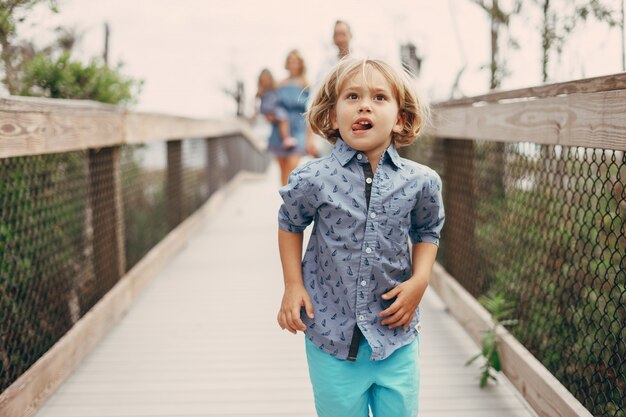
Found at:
[362, 125]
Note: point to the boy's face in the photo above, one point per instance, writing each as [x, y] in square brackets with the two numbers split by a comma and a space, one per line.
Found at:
[367, 113]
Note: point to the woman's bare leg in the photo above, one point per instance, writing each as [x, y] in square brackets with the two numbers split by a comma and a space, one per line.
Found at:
[290, 163]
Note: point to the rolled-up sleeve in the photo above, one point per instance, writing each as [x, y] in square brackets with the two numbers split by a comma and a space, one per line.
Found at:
[427, 217]
[296, 212]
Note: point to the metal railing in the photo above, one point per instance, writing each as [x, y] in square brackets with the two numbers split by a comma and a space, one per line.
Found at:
[535, 197]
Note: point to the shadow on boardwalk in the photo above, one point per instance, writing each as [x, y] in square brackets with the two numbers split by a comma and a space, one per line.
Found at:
[202, 340]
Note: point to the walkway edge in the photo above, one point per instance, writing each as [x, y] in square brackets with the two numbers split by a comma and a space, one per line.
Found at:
[29, 392]
[545, 394]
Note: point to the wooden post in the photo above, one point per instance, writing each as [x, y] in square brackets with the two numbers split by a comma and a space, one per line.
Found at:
[105, 196]
[174, 190]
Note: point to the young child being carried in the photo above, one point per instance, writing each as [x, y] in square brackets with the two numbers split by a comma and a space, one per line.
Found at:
[270, 108]
[356, 293]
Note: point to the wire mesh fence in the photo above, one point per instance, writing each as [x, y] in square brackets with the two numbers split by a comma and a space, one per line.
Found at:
[72, 224]
[546, 226]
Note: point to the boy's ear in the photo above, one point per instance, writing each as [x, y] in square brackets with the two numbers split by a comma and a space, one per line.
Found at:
[400, 121]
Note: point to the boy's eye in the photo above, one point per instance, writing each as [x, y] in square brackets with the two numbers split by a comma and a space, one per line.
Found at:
[380, 97]
[352, 96]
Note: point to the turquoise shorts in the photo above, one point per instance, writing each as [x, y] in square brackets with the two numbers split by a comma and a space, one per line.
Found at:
[390, 387]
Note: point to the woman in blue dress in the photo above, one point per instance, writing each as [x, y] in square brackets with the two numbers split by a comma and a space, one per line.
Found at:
[293, 95]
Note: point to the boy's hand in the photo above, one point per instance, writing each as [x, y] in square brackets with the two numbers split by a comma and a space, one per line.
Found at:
[408, 296]
[294, 298]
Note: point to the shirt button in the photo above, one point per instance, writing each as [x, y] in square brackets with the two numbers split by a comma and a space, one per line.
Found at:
[368, 250]
[373, 215]
[364, 283]
[368, 180]
[361, 317]
[359, 156]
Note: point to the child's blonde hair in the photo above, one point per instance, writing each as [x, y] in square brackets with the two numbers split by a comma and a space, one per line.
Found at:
[295, 53]
[412, 111]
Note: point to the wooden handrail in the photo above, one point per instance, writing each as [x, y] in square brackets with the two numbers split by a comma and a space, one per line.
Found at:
[587, 113]
[587, 85]
[34, 126]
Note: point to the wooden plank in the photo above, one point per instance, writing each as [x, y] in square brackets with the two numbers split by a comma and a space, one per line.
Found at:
[249, 390]
[148, 127]
[33, 387]
[239, 400]
[35, 132]
[588, 85]
[42, 104]
[34, 126]
[595, 120]
[106, 216]
[540, 388]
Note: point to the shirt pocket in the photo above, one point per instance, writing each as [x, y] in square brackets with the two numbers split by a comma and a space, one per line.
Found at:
[396, 228]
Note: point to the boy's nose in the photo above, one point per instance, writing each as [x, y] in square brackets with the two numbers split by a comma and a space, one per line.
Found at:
[365, 107]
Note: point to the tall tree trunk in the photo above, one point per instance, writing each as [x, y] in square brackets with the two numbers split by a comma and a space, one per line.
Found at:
[545, 41]
[623, 40]
[9, 70]
[494, 47]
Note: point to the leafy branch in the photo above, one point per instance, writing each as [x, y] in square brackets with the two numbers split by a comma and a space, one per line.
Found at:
[501, 311]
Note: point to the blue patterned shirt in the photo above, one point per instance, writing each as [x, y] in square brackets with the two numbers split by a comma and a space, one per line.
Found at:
[359, 250]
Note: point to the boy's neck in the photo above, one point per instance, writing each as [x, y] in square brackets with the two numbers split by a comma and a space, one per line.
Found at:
[374, 158]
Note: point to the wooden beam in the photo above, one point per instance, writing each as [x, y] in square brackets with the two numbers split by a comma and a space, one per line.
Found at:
[596, 120]
[540, 388]
[588, 85]
[35, 126]
[146, 127]
[41, 132]
[107, 219]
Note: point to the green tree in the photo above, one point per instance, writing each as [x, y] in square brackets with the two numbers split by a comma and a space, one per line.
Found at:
[15, 54]
[499, 21]
[62, 77]
[51, 71]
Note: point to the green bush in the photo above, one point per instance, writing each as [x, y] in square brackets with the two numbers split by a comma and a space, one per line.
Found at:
[62, 77]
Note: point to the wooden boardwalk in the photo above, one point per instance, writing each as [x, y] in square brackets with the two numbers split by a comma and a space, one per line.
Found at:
[202, 339]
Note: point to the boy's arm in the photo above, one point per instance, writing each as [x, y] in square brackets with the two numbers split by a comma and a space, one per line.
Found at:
[409, 294]
[295, 296]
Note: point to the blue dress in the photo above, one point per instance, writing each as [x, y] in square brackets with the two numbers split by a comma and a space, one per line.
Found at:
[293, 99]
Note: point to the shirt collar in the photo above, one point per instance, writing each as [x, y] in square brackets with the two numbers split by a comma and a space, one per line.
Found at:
[345, 153]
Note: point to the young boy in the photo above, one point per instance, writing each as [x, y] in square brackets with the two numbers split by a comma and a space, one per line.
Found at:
[357, 285]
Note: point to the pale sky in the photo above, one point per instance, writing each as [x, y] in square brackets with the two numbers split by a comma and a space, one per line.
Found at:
[188, 51]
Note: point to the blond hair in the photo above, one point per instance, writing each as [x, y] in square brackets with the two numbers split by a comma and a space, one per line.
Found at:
[295, 53]
[413, 112]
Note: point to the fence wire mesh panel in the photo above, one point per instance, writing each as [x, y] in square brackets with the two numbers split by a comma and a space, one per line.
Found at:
[144, 176]
[195, 174]
[546, 227]
[71, 225]
[47, 279]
